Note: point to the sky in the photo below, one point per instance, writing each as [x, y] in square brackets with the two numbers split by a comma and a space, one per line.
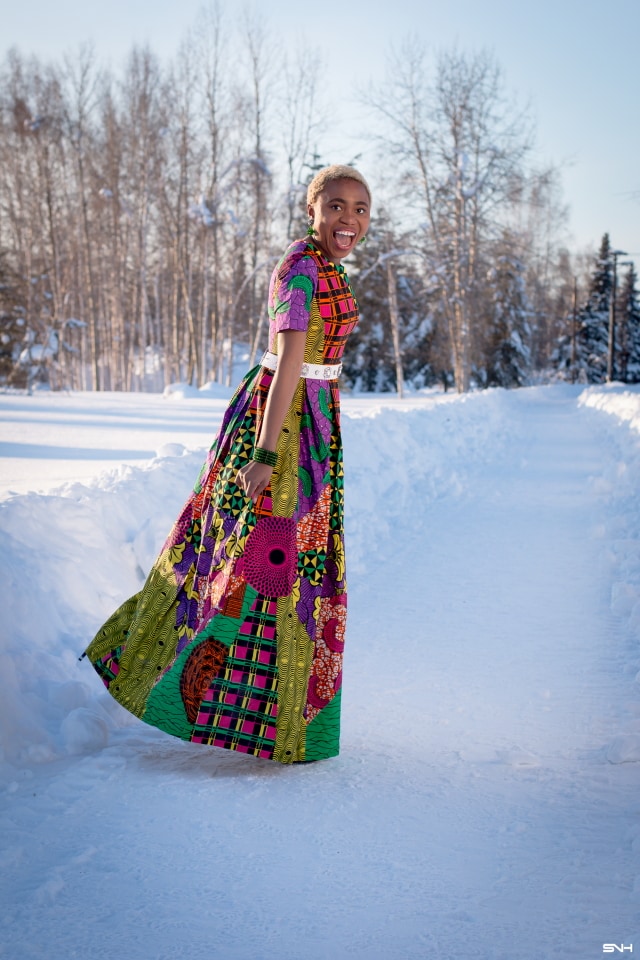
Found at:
[574, 62]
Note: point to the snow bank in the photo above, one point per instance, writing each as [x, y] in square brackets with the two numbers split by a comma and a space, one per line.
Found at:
[618, 400]
[68, 559]
[184, 391]
[399, 460]
[620, 481]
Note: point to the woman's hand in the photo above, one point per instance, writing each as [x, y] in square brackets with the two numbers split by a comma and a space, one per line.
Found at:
[253, 478]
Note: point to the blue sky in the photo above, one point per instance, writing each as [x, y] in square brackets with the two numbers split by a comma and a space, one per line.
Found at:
[574, 61]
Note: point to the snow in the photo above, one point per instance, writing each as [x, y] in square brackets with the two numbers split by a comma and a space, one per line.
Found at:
[485, 802]
[616, 399]
[51, 438]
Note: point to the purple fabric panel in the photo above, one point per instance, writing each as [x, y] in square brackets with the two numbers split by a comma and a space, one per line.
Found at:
[305, 606]
[289, 304]
[313, 394]
[319, 431]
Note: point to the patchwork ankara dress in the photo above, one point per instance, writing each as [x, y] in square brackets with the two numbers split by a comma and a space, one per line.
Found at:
[236, 638]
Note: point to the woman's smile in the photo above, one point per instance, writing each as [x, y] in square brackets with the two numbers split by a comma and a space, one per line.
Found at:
[344, 239]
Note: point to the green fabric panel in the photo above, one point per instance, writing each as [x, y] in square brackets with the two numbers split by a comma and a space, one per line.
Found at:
[323, 733]
[165, 708]
[302, 282]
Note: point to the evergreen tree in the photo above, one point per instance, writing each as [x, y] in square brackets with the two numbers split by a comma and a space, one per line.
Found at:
[370, 362]
[586, 360]
[12, 326]
[507, 331]
[593, 319]
[425, 341]
[628, 323]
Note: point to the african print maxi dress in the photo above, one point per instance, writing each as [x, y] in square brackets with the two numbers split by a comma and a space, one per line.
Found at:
[236, 638]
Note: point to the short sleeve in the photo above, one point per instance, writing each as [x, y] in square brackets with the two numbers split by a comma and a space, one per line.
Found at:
[293, 285]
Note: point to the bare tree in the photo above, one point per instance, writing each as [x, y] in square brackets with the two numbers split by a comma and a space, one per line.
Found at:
[257, 50]
[301, 116]
[82, 80]
[460, 145]
[213, 43]
[141, 213]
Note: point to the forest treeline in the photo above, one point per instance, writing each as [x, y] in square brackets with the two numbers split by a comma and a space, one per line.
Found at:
[141, 214]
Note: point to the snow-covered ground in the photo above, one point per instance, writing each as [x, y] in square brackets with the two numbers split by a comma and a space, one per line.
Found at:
[485, 803]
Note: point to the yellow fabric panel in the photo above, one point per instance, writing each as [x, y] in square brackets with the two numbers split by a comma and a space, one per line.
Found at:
[314, 350]
[148, 619]
[284, 479]
[295, 653]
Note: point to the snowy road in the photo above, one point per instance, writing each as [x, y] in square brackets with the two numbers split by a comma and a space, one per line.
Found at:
[478, 810]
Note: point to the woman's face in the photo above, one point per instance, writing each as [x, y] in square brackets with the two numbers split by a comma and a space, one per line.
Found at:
[341, 216]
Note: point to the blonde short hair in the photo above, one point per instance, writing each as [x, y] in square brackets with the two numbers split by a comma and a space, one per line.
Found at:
[337, 171]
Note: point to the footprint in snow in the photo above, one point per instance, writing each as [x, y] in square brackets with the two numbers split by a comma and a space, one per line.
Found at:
[625, 748]
[517, 757]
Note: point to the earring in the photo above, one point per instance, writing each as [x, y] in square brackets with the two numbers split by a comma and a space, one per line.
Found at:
[310, 230]
[363, 239]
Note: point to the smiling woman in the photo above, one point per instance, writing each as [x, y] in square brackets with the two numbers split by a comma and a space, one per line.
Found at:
[236, 639]
[339, 211]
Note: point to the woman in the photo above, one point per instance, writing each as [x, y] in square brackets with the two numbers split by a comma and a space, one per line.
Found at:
[236, 638]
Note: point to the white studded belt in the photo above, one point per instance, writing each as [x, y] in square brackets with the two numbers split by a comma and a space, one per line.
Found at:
[310, 371]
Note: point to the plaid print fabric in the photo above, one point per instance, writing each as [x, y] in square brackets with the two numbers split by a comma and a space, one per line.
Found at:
[305, 277]
[338, 308]
[239, 709]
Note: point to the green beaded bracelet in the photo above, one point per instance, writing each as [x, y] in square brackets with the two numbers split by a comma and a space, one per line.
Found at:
[260, 455]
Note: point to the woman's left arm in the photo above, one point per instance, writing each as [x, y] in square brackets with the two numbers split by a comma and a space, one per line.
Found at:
[254, 477]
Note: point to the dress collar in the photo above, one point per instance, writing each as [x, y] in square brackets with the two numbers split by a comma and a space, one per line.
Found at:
[336, 266]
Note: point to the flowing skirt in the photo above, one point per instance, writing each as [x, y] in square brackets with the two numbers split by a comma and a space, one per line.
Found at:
[236, 638]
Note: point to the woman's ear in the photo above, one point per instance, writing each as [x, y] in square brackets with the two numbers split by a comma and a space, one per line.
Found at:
[310, 211]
